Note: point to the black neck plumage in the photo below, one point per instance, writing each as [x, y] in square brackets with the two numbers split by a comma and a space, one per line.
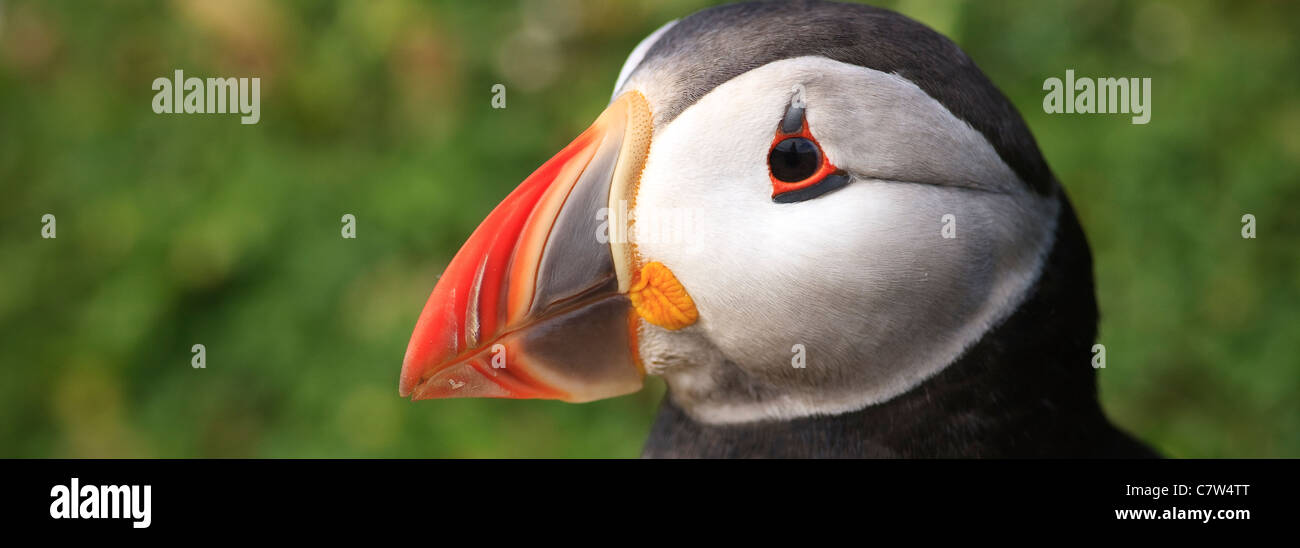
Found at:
[1026, 389]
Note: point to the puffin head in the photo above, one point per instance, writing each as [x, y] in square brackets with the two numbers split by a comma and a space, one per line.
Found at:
[788, 209]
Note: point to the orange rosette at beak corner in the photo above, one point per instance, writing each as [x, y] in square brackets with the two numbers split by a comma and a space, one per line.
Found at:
[535, 304]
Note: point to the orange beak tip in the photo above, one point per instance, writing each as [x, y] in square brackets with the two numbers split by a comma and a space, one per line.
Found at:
[459, 381]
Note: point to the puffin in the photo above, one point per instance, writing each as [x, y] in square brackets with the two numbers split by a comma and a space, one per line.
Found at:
[821, 224]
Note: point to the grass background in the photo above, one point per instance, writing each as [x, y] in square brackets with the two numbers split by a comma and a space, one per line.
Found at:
[176, 230]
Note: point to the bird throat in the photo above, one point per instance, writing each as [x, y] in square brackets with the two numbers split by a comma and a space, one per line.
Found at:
[1024, 389]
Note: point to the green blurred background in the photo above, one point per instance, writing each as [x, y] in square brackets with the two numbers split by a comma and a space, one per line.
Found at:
[176, 230]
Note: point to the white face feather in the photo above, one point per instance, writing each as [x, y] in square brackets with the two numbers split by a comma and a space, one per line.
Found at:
[638, 53]
[861, 277]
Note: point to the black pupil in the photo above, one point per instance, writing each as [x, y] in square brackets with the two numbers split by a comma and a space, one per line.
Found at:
[794, 159]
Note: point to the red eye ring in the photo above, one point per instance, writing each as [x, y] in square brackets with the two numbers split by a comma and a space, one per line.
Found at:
[826, 168]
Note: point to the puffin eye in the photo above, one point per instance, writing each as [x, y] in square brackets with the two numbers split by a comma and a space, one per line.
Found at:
[794, 159]
[799, 169]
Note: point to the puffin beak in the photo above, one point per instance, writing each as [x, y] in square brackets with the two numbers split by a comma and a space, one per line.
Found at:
[535, 304]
